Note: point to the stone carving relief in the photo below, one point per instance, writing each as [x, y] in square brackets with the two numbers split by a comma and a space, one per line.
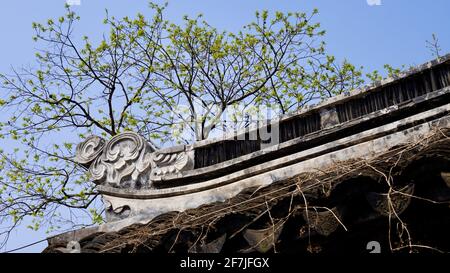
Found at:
[171, 162]
[128, 161]
[125, 162]
[89, 150]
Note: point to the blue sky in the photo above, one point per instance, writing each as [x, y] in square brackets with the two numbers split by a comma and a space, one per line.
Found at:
[369, 35]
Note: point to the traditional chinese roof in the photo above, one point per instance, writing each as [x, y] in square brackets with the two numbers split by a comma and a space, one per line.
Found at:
[346, 161]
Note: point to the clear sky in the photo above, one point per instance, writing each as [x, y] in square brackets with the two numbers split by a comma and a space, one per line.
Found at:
[393, 32]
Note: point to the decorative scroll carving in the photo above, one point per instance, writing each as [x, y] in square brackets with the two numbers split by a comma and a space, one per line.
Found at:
[88, 150]
[125, 162]
[128, 161]
[171, 162]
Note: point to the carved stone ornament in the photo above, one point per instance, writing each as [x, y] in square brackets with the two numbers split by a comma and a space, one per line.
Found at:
[171, 162]
[128, 161]
[124, 162]
[89, 150]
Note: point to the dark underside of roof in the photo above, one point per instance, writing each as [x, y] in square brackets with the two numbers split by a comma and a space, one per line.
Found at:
[399, 199]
